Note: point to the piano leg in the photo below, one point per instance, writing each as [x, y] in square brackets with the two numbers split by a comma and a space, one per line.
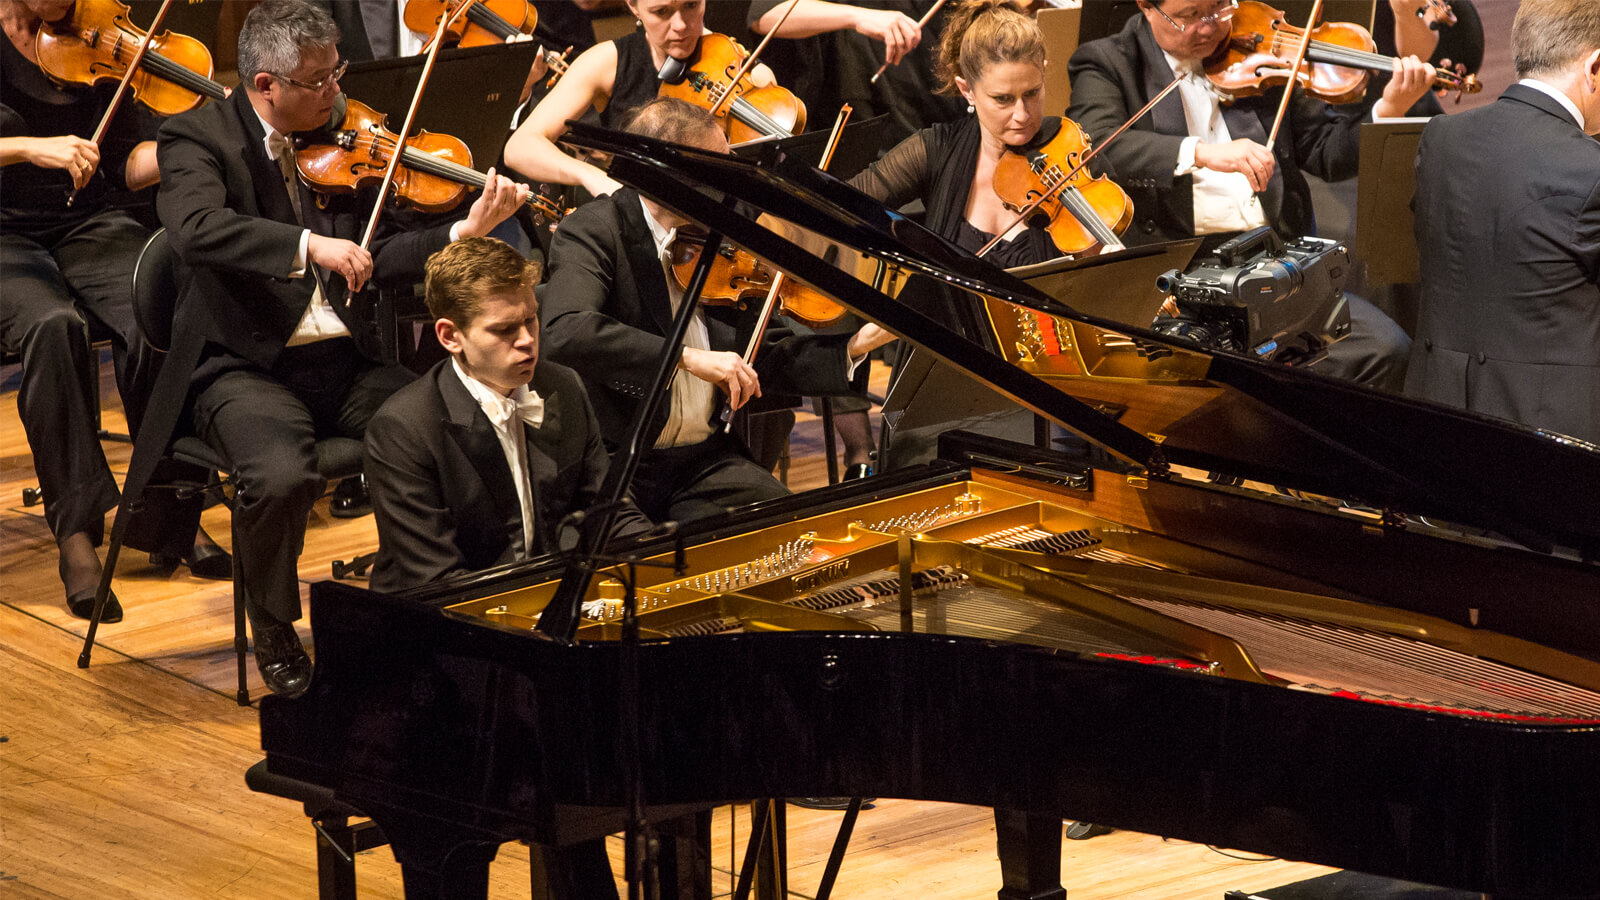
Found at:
[685, 858]
[579, 872]
[1030, 856]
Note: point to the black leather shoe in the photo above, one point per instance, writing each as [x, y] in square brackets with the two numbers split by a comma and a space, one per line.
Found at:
[350, 500]
[859, 470]
[208, 561]
[81, 605]
[280, 658]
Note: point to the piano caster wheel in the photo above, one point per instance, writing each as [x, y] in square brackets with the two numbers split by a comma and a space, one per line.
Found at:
[32, 496]
[1082, 831]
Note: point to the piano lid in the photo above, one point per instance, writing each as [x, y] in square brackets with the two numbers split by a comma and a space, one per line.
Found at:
[1146, 398]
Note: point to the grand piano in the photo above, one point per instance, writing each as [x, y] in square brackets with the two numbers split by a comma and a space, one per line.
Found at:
[1269, 611]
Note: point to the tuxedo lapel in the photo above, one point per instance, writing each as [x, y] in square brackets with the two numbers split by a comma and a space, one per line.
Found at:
[271, 196]
[1167, 117]
[469, 428]
[643, 262]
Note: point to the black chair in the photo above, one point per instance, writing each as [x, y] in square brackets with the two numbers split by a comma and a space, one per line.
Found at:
[155, 291]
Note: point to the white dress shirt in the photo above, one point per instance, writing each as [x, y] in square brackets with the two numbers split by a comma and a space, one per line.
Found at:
[692, 401]
[508, 415]
[319, 322]
[1223, 201]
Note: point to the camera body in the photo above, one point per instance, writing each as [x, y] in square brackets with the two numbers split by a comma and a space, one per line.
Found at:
[1259, 296]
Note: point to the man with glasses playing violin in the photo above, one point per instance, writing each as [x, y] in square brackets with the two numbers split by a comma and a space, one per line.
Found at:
[1197, 166]
[285, 361]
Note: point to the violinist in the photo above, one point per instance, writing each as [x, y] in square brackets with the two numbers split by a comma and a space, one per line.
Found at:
[607, 309]
[1197, 166]
[612, 78]
[1508, 231]
[68, 277]
[269, 270]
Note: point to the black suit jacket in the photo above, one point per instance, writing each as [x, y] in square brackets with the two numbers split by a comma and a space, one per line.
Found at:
[441, 488]
[1508, 230]
[606, 312]
[1115, 76]
[233, 226]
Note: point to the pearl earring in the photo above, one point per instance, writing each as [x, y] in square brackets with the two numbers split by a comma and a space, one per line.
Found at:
[971, 108]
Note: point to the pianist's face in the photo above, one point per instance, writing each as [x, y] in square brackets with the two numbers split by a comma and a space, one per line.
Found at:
[1008, 99]
[500, 345]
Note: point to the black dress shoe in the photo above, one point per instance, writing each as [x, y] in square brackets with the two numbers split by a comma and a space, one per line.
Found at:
[859, 470]
[81, 605]
[280, 657]
[208, 561]
[350, 500]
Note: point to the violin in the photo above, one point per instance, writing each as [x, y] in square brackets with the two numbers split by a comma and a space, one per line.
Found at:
[486, 22]
[738, 276]
[1437, 14]
[98, 41]
[1085, 211]
[706, 78]
[1260, 47]
[435, 169]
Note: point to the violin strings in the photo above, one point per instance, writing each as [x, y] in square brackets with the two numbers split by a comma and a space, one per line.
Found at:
[171, 71]
[744, 110]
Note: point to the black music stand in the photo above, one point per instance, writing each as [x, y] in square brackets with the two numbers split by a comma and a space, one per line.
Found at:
[858, 147]
[1387, 178]
[471, 93]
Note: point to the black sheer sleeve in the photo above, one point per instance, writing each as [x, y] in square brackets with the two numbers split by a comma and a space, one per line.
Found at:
[900, 176]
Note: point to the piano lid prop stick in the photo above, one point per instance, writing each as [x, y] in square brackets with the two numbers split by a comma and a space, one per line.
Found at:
[411, 114]
[749, 61]
[1093, 152]
[921, 24]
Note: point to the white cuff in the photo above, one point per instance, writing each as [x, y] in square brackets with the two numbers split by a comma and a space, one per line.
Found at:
[855, 363]
[1186, 156]
[300, 255]
[455, 231]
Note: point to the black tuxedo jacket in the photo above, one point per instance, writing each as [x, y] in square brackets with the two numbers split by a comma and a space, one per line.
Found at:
[1508, 230]
[233, 226]
[606, 312]
[1115, 76]
[441, 488]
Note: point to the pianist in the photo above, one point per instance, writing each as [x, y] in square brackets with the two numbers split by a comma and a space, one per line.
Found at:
[478, 462]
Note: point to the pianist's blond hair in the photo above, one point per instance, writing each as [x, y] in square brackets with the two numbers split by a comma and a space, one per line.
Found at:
[461, 275]
[1549, 35]
[982, 33]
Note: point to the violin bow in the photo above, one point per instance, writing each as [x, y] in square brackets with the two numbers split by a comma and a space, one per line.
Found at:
[122, 86]
[750, 60]
[771, 303]
[1093, 152]
[1294, 73]
[416, 100]
[921, 24]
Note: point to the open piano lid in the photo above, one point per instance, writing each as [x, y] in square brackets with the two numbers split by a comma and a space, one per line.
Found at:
[1143, 397]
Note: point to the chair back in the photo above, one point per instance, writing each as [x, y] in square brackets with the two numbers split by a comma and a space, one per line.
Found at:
[155, 290]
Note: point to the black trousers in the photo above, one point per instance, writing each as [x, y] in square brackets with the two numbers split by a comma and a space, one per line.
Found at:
[61, 287]
[701, 480]
[267, 423]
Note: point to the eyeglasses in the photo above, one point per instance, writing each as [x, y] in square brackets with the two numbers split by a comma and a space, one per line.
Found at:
[319, 86]
[1221, 16]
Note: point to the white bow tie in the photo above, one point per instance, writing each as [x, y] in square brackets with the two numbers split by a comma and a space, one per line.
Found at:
[530, 409]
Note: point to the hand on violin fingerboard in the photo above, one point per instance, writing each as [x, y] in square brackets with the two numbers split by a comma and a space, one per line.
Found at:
[1412, 78]
[497, 202]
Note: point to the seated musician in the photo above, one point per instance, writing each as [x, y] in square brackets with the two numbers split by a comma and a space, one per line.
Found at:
[1195, 166]
[606, 310]
[612, 78]
[282, 364]
[67, 265]
[1508, 230]
[477, 462]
